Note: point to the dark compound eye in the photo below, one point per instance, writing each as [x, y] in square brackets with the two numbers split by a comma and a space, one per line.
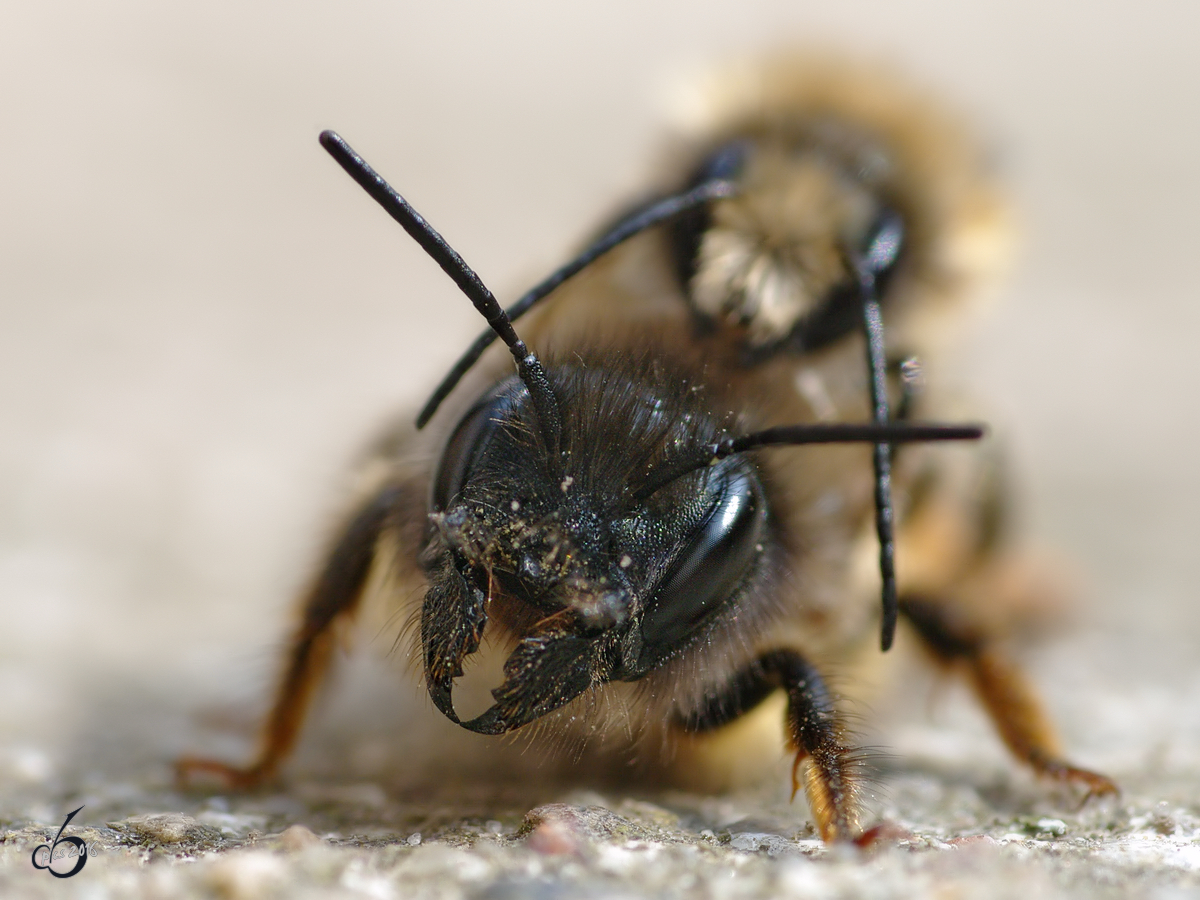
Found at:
[726, 162]
[713, 563]
[469, 442]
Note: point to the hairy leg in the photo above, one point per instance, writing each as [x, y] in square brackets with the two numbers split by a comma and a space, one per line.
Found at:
[826, 766]
[1004, 691]
[333, 597]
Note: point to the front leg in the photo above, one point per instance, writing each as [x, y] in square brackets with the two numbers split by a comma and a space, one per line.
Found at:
[1002, 688]
[333, 597]
[831, 767]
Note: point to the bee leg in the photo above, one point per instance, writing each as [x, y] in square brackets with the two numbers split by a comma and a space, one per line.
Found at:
[333, 596]
[830, 767]
[1006, 694]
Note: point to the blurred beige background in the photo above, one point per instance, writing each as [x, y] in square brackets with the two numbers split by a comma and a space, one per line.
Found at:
[201, 318]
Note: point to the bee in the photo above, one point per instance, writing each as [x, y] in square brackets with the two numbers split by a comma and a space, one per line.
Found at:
[635, 521]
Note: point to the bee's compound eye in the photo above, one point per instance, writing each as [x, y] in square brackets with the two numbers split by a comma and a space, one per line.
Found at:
[469, 442]
[725, 162]
[712, 564]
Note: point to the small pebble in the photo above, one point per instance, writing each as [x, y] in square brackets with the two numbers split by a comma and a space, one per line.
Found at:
[554, 837]
[974, 840]
[1056, 827]
[298, 837]
[246, 875]
[167, 828]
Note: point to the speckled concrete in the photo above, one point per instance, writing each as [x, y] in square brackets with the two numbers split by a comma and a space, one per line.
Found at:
[966, 840]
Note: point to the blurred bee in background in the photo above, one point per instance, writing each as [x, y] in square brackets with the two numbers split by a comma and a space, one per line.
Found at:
[634, 526]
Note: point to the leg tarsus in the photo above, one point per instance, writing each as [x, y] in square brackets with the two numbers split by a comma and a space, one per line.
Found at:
[830, 786]
[1096, 785]
[816, 733]
[229, 778]
[882, 834]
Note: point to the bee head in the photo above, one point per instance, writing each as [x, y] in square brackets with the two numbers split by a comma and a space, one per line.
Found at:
[597, 580]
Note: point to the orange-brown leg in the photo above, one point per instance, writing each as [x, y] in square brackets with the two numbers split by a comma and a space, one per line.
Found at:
[1006, 694]
[826, 766]
[831, 775]
[333, 597]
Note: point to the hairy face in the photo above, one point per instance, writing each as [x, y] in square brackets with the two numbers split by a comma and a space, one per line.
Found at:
[593, 580]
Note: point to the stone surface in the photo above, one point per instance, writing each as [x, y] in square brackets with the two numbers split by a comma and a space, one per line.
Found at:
[671, 845]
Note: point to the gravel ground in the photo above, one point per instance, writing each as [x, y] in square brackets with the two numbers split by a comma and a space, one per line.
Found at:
[348, 825]
[202, 322]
